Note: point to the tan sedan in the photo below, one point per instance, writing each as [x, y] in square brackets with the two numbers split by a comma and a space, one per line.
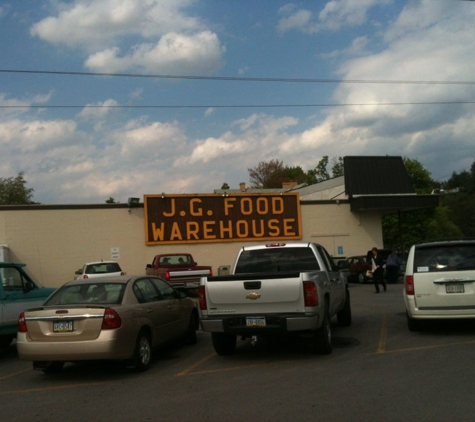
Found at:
[115, 318]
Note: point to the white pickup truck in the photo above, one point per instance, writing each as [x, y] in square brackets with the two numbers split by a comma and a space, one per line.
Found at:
[275, 289]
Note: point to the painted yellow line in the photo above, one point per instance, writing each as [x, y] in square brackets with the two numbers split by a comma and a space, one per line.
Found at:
[383, 334]
[16, 373]
[434, 346]
[188, 370]
[33, 390]
[234, 368]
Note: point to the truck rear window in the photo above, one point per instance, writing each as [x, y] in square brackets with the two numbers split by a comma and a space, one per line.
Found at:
[276, 260]
[449, 257]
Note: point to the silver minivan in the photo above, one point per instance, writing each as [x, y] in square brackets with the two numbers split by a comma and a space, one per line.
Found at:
[439, 282]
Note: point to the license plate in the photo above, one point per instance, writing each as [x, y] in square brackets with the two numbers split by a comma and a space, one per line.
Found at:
[63, 326]
[255, 322]
[454, 288]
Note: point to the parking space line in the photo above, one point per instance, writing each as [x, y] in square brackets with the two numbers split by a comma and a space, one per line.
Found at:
[189, 369]
[383, 333]
[15, 373]
[411, 349]
[233, 368]
[33, 390]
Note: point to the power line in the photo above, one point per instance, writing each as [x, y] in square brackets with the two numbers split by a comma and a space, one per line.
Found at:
[240, 106]
[240, 79]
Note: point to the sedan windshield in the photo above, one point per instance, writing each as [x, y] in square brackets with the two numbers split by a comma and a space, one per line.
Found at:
[102, 293]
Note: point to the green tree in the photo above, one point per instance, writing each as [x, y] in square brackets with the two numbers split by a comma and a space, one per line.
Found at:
[13, 191]
[419, 176]
[110, 200]
[338, 167]
[295, 174]
[319, 173]
[267, 175]
[224, 186]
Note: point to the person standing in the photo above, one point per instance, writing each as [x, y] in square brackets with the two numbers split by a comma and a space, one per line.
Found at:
[377, 269]
[393, 262]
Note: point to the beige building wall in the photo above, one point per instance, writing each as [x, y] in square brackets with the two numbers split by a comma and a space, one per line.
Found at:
[54, 243]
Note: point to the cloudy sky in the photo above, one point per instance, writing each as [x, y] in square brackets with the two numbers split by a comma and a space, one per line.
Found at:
[121, 98]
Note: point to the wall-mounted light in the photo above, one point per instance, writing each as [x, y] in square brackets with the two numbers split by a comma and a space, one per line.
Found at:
[163, 195]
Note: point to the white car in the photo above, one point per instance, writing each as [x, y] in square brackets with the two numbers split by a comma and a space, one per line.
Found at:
[439, 282]
[99, 269]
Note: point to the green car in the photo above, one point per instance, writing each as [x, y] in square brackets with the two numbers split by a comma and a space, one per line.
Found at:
[17, 292]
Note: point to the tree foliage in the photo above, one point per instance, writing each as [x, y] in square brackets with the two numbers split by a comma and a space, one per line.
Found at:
[271, 174]
[267, 175]
[13, 191]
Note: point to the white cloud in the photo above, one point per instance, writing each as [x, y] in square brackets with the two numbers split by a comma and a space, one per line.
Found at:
[91, 23]
[336, 14]
[174, 53]
[99, 110]
[117, 35]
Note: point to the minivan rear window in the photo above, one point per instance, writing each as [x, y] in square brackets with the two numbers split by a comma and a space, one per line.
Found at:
[449, 257]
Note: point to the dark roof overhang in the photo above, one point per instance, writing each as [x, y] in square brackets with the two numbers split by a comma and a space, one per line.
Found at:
[388, 204]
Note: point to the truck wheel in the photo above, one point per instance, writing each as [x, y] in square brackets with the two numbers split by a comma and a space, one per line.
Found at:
[344, 316]
[322, 338]
[413, 324]
[223, 344]
[143, 352]
[190, 337]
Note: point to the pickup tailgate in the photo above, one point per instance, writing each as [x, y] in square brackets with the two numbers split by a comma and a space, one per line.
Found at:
[275, 293]
[184, 274]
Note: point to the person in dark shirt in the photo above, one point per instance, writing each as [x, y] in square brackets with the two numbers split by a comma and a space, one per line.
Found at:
[393, 262]
[377, 269]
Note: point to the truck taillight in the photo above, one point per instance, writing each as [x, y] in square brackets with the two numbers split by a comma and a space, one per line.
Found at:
[310, 293]
[111, 320]
[409, 284]
[211, 272]
[22, 328]
[167, 275]
[202, 298]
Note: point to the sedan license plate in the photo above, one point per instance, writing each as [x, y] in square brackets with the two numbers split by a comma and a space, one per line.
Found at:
[255, 322]
[63, 326]
[454, 288]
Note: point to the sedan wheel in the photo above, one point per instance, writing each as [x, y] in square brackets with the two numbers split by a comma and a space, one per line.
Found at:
[143, 352]
[361, 278]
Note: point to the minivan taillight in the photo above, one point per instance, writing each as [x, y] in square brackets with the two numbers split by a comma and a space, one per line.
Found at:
[409, 284]
[111, 320]
[22, 328]
[310, 293]
[202, 297]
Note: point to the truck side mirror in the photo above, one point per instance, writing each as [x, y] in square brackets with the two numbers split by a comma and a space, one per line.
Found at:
[28, 287]
[78, 271]
[149, 266]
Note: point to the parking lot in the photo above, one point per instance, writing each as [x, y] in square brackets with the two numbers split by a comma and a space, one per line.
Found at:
[378, 371]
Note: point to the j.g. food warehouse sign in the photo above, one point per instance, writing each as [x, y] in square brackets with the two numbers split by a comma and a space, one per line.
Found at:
[214, 218]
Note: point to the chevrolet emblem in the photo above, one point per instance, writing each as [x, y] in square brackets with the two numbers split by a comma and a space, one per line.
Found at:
[253, 296]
